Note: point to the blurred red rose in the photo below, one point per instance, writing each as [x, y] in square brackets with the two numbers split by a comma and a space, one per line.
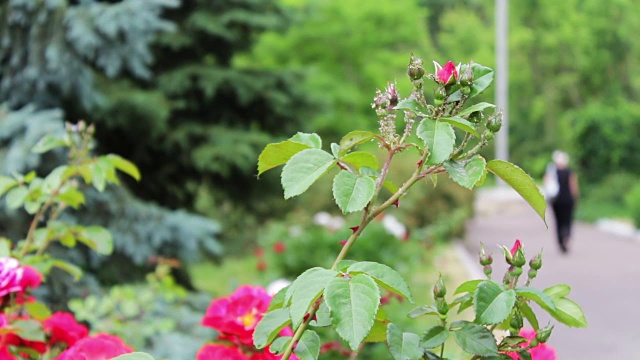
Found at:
[219, 351]
[96, 347]
[63, 328]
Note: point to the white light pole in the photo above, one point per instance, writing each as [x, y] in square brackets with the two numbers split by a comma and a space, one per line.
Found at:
[502, 77]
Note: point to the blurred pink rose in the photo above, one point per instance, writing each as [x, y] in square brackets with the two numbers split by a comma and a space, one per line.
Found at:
[237, 315]
[219, 351]
[63, 328]
[540, 352]
[10, 276]
[97, 347]
[31, 278]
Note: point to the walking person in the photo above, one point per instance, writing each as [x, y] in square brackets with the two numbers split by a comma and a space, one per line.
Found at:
[562, 191]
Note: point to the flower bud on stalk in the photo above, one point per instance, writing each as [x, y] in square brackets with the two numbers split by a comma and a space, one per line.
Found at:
[494, 123]
[416, 70]
[466, 79]
[515, 271]
[475, 117]
[484, 258]
[544, 334]
[536, 262]
[439, 289]
[516, 322]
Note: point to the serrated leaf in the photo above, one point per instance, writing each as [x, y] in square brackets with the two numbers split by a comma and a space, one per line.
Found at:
[477, 107]
[6, 183]
[305, 290]
[513, 340]
[558, 291]
[278, 345]
[124, 165]
[308, 347]
[569, 313]
[97, 238]
[423, 310]
[469, 286]
[16, 196]
[277, 154]
[313, 139]
[476, 339]
[438, 137]
[493, 303]
[353, 303]
[49, 142]
[462, 124]
[37, 310]
[134, 356]
[411, 104]
[269, 327]
[354, 138]
[385, 276]
[434, 337]
[359, 159]
[528, 313]
[323, 316]
[467, 173]
[403, 345]
[303, 169]
[521, 182]
[536, 295]
[72, 197]
[29, 329]
[352, 192]
[378, 332]
[277, 301]
[482, 79]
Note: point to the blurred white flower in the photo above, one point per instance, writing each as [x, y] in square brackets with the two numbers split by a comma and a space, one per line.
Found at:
[277, 285]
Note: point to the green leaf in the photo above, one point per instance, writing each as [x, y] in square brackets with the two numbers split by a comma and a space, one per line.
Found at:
[68, 239]
[513, 340]
[536, 295]
[308, 347]
[463, 124]
[29, 330]
[303, 169]
[528, 313]
[323, 316]
[134, 356]
[313, 139]
[476, 339]
[391, 187]
[6, 183]
[72, 197]
[477, 107]
[423, 310]
[569, 313]
[335, 150]
[278, 154]
[124, 165]
[353, 302]
[16, 196]
[403, 345]
[49, 142]
[558, 291]
[277, 301]
[493, 303]
[278, 345]
[355, 138]
[468, 172]
[468, 286]
[97, 238]
[482, 79]
[53, 181]
[411, 104]
[359, 159]
[521, 182]
[378, 332]
[352, 192]
[269, 327]
[434, 337]
[305, 290]
[37, 310]
[70, 268]
[98, 176]
[5, 247]
[343, 265]
[438, 137]
[384, 276]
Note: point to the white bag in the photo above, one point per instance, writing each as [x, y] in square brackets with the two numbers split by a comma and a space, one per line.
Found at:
[550, 184]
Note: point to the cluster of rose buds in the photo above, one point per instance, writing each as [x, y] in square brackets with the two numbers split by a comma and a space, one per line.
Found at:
[383, 104]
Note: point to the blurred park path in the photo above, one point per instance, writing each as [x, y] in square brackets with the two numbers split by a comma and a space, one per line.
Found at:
[603, 270]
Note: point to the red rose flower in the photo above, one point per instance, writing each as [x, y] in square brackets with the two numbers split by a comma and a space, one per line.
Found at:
[279, 247]
[237, 315]
[97, 347]
[63, 328]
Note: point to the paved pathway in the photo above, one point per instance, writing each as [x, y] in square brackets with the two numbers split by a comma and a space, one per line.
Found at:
[602, 269]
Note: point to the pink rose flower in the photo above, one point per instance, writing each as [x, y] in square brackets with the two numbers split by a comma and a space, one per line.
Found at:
[237, 315]
[10, 276]
[219, 351]
[31, 278]
[447, 73]
[540, 352]
[63, 328]
[97, 347]
[516, 246]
